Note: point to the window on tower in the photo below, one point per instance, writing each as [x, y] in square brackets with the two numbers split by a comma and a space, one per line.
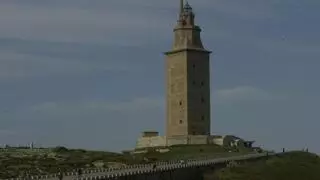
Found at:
[202, 83]
[202, 100]
[202, 117]
[194, 66]
[180, 122]
[180, 103]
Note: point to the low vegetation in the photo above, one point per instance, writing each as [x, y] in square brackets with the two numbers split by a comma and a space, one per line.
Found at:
[193, 151]
[291, 166]
[294, 166]
[19, 162]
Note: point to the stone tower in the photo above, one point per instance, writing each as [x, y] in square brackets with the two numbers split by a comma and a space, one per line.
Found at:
[188, 79]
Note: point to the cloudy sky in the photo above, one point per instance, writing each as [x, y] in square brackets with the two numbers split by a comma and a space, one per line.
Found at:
[90, 73]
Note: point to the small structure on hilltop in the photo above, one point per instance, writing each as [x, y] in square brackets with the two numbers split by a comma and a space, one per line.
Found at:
[232, 141]
[151, 139]
[31, 145]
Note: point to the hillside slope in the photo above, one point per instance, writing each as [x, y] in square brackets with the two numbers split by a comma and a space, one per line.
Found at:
[195, 151]
[19, 162]
[290, 166]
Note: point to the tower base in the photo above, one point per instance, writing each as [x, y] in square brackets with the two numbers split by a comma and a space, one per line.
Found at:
[163, 141]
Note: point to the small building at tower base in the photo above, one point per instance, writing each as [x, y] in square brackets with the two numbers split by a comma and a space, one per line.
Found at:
[151, 139]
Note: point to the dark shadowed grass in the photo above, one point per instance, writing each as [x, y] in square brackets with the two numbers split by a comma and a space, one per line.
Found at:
[290, 166]
[196, 151]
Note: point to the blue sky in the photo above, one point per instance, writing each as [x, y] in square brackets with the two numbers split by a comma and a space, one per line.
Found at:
[90, 74]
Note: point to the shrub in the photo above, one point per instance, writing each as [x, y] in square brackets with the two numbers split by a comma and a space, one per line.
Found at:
[60, 149]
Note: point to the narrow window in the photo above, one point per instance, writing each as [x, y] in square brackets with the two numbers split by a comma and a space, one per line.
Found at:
[180, 103]
[180, 121]
[202, 83]
[202, 100]
[194, 66]
[202, 117]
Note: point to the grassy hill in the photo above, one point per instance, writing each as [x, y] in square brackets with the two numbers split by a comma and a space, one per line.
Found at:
[194, 151]
[15, 163]
[291, 166]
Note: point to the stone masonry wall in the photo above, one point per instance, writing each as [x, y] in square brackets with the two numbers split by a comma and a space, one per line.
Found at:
[155, 141]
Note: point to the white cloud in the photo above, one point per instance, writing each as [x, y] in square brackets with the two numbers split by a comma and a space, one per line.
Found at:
[282, 44]
[145, 104]
[18, 65]
[116, 119]
[4, 132]
[46, 106]
[69, 24]
[107, 21]
[135, 105]
[105, 121]
[245, 9]
[240, 94]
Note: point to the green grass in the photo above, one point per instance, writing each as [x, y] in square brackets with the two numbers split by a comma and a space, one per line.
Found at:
[193, 151]
[16, 163]
[290, 166]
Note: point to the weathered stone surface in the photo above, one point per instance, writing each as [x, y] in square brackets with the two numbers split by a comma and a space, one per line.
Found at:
[188, 80]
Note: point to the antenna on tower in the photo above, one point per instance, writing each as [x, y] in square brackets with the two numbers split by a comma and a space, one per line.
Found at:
[181, 6]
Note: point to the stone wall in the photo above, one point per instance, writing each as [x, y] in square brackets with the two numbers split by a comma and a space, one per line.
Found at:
[176, 140]
[198, 139]
[218, 141]
[155, 141]
[191, 139]
[162, 141]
